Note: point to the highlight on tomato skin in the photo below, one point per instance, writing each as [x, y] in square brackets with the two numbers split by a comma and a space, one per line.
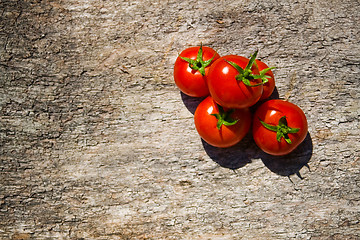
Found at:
[279, 127]
[221, 127]
[191, 69]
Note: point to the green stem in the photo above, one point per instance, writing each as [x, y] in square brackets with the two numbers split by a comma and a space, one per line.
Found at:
[246, 75]
[198, 64]
[282, 129]
[224, 117]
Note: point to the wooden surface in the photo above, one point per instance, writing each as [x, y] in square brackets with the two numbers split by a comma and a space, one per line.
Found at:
[98, 143]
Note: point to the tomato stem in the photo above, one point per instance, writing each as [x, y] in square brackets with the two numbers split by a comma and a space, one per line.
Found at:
[282, 129]
[245, 75]
[198, 64]
[224, 117]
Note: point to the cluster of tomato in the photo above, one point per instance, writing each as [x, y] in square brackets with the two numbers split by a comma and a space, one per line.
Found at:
[231, 85]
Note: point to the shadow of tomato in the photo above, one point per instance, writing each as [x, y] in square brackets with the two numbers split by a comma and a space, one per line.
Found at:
[233, 157]
[191, 103]
[291, 163]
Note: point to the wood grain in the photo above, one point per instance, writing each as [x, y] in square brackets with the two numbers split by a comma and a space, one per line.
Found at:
[98, 143]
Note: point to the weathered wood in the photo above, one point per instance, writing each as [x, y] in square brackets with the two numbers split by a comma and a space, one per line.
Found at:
[98, 143]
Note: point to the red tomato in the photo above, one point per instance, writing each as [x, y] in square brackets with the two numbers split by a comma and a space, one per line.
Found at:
[221, 127]
[279, 127]
[191, 68]
[269, 86]
[226, 86]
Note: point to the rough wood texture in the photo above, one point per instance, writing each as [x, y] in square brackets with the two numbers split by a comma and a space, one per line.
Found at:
[98, 143]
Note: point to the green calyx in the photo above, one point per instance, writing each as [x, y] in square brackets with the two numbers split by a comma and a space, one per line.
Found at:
[199, 64]
[224, 117]
[282, 129]
[245, 75]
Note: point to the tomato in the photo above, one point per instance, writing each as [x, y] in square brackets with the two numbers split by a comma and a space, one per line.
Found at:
[191, 68]
[279, 127]
[234, 81]
[269, 86]
[221, 127]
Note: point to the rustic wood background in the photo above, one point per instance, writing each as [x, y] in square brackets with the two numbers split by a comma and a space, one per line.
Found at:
[98, 143]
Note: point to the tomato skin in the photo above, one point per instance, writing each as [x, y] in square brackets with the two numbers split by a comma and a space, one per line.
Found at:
[270, 112]
[270, 85]
[226, 90]
[190, 81]
[226, 136]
